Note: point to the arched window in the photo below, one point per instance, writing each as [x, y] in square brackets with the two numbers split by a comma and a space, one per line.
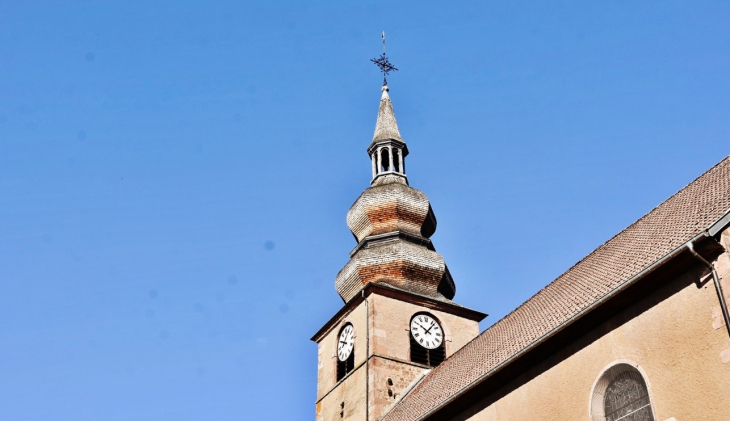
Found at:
[397, 159]
[427, 340]
[345, 351]
[384, 160]
[621, 394]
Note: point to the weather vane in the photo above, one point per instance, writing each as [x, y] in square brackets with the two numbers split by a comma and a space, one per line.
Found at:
[385, 65]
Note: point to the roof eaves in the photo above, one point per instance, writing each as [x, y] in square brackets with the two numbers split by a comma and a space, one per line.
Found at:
[675, 201]
[720, 225]
[562, 326]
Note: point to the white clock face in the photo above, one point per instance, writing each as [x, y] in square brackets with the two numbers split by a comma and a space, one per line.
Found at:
[346, 343]
[426, 331]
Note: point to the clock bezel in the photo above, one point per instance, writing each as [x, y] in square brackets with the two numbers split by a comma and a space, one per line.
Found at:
[339, 335]
[438, 323]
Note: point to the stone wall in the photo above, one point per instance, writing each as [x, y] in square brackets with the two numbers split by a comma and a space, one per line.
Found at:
[389, 380]
[347, 400]
[390, 339]
[390, 373]
[390, 329]
[327, 352]
[675, 337]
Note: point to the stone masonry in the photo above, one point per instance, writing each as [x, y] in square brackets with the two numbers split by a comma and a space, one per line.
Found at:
[394, 273]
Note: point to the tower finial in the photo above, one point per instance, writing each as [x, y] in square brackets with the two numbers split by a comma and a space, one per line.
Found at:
[385, 65]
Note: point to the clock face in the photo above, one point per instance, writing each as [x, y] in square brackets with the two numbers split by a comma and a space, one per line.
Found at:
[426, 331]
[346, 343]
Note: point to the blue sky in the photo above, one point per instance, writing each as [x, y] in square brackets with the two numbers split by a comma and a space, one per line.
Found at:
[174, 176]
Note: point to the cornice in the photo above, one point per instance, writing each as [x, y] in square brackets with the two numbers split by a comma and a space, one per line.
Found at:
[391, 292]
[390, 236]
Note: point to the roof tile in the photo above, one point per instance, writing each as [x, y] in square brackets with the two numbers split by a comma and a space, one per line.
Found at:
[663, 229]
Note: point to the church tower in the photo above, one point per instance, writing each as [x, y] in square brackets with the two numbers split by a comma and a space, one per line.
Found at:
[398, 321]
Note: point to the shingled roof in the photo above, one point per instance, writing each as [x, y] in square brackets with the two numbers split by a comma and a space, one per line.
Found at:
[667, 227]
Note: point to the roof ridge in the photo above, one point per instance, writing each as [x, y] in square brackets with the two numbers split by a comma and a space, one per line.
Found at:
[603, 245]
[607, 267]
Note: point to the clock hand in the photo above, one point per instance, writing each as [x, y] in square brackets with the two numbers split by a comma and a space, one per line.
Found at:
[431, 327]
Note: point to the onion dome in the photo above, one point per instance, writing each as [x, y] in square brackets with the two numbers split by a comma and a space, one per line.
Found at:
[398, 263]
[391, 205]
[392, 223]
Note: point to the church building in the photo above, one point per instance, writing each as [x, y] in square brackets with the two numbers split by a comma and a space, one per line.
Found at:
[638, 330]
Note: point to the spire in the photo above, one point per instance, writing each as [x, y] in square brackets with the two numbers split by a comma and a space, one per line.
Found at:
[393, 222]
[387, 150]
[386, 127]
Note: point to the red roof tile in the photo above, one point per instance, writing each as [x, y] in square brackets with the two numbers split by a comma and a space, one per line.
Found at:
[667, 227]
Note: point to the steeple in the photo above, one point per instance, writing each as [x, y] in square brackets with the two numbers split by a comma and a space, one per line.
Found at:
[386, 127]
[398, 320]
[387, 150]
[392, 223]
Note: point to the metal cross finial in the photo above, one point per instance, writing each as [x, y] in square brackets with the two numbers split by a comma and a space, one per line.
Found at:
[385, 65]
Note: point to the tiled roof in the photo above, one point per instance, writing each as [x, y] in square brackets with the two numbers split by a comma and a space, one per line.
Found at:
[668, 226]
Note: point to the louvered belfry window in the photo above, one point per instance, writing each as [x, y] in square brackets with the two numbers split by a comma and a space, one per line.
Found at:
[344, 367]
[430, 357]
[627, 398]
